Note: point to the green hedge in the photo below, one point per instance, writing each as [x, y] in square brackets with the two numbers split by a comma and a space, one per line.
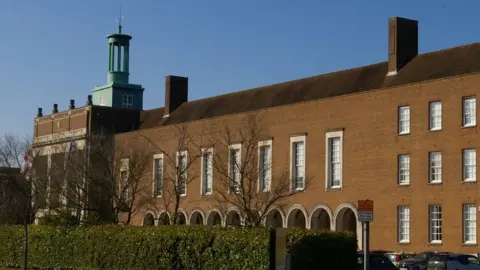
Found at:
[171, 247]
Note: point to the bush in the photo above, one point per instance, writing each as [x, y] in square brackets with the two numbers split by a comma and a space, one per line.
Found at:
[170, 247]
[60, 218]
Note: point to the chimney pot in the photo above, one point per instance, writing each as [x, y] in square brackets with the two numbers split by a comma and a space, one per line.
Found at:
[55, 108]
[39, 113]
[402, 43]
[89, 100]
[176, 93]
[72, 104]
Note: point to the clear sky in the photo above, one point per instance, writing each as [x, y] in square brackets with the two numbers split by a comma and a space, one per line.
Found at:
[55, 50]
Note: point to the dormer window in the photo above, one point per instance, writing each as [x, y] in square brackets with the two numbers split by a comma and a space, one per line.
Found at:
[127, 101]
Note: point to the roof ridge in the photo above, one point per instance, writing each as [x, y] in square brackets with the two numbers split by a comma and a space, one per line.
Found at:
[449, 49]
[263, 87]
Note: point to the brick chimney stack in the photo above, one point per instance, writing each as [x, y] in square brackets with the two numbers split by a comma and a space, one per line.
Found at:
[402, 43]
[72, 104]
[176, 93]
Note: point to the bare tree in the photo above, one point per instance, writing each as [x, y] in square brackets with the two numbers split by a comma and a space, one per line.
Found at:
[29, 185]
[179, 154]
[104, 179]
[244, 175]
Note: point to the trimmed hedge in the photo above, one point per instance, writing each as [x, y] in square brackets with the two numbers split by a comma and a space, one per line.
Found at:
[171, 247]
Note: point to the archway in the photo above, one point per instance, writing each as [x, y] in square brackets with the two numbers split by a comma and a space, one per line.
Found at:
[346, 220]
[320, 218]
[297, 217]
[148, 219]
[163, 219]
[181, 218]
[214, 219]
[233, 218]
[274, 219]
[196, 218]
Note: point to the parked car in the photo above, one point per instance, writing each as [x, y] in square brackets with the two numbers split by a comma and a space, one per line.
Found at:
[377, 262]
[450, 261]
[417, 262]
[396, 257]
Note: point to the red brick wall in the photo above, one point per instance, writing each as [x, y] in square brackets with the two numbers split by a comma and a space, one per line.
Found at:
[370, 150]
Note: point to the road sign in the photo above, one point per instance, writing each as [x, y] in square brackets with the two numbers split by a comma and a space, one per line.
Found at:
[365, 210]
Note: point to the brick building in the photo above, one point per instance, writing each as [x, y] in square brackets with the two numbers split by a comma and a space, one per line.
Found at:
[402, 133]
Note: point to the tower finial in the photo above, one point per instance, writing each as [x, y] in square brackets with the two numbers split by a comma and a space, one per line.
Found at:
[119, 20]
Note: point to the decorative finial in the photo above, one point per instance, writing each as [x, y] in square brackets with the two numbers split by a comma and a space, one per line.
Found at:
[119, 20]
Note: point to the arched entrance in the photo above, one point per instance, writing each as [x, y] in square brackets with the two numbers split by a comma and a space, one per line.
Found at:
[181, 218]
[346, 220]
[163, 219]
[297, 217]
[196, 218]
[214, 219]
[274, 219]
[233, 218]
[320, 218]
[148, 219]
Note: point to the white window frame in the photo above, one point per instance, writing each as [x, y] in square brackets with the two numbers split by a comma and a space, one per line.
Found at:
[178, 154]
[403, 223]
[231, 177]
[329, 136]
[401, 119]
[470, 166]
[203, 189]
[435, 115]
[102, 101]
[435, 169]
[472, 112]
[127, 101]
[264, 185]
[401, 168]
[435, 221]
[154, 175]
[469, 223]
[293, 140]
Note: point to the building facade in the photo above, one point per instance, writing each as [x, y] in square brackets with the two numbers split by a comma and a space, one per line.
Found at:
[402, 133]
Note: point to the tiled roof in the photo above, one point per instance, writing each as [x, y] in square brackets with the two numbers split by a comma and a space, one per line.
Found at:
[434, 65]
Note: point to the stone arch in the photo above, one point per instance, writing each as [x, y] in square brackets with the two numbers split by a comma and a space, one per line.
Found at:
[163, 218]
[197, 217]
[275, 218]
[148, 219]
[233, 217]
[214, 217]
[297, 217]
[321, 218]
[182, 217]
[346, 219]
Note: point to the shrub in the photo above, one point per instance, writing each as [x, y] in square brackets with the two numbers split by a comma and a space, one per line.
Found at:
[60, 218]
[170, 247]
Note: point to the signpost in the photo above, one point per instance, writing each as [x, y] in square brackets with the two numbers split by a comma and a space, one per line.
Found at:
[365, 215]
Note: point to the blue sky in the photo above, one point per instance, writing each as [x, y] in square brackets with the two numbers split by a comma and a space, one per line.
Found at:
[55, 50]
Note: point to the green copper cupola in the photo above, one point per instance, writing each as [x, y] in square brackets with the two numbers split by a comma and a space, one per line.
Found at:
[118, 56]
[119, 92]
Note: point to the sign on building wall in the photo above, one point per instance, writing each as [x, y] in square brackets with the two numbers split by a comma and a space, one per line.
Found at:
[365, 210]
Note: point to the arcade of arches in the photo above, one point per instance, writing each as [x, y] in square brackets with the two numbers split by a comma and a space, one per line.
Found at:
[319, 218]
